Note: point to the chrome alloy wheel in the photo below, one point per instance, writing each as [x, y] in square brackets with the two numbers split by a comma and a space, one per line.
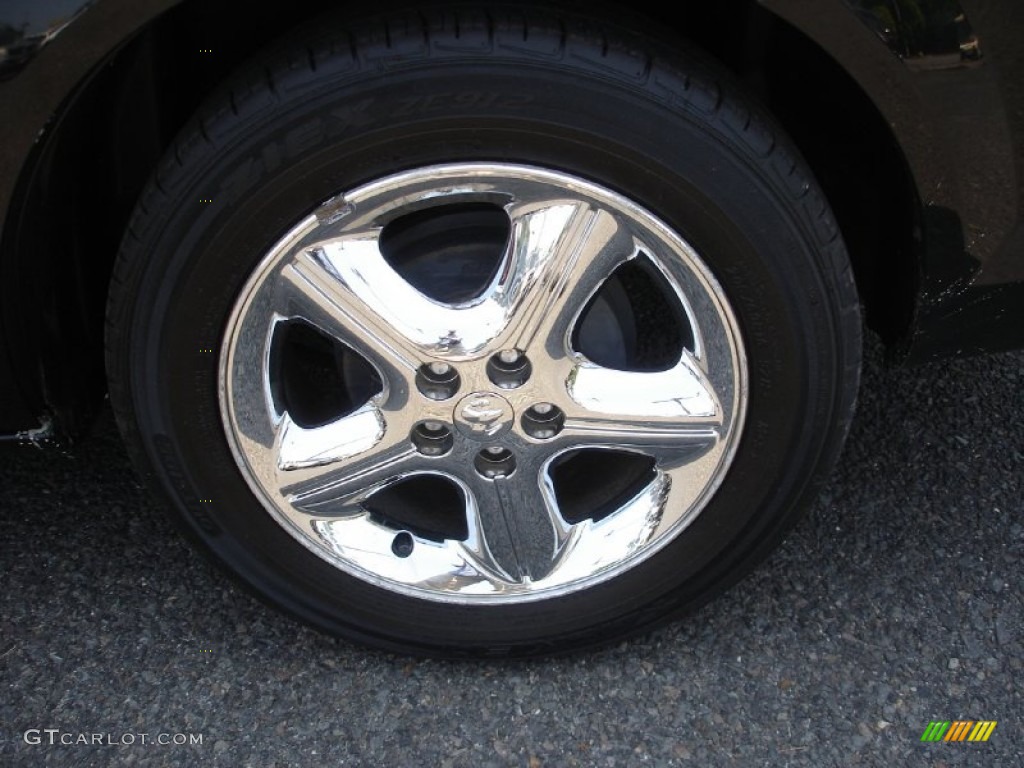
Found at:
[488, 406]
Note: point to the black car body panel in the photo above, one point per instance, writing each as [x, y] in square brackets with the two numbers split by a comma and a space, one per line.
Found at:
[948, 78]
[91, 94]
[55, 49]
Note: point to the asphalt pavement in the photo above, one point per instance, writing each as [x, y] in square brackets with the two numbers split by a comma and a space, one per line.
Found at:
[895, 603]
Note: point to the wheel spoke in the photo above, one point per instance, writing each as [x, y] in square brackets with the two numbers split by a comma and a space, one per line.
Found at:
[311, 287]
[341, 463]
[558, 258]
[672, 416]
[517, 524]
[490, 544]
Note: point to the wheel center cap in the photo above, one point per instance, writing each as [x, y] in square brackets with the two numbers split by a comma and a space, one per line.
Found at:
[483, 415]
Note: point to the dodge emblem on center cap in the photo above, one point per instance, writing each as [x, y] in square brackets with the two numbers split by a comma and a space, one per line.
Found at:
[483, 415]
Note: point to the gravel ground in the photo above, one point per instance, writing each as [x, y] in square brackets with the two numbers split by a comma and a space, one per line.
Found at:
[896, 602]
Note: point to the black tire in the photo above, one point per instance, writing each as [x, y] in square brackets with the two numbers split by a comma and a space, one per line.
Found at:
[329, 111]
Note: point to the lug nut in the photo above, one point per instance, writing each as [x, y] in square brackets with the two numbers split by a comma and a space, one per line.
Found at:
[495, 461]
[543, 421]
[509, 369]
[439, 368]
[437, 380]
[432, 438]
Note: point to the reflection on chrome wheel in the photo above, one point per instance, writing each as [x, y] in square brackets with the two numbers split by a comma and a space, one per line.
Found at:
[525, 401]
[496, 334]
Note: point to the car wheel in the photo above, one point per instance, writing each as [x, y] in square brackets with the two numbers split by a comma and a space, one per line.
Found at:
[483, 332]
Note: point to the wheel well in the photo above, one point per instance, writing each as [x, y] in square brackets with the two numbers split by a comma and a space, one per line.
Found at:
[126, 115]
[841, 134]
[859, 164]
